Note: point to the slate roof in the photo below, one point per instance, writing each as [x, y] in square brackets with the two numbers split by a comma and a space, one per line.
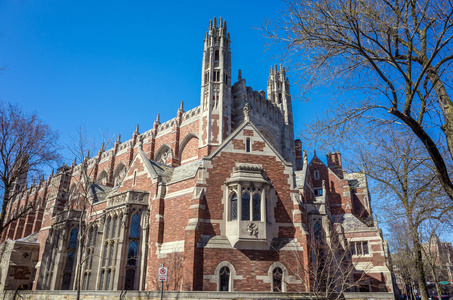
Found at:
[32, 238]
[183, 172]
[186, 171]
[349, 222]
[99, 192]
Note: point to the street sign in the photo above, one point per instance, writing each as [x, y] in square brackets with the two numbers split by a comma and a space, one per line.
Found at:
[443, 282]
[162, 274]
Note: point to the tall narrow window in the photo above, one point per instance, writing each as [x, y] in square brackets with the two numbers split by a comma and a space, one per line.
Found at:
[316, 174]
[234, 207]
[216, 55]
[277, 276]
[245, 206]
[130, 275]
[70, 259]
[256, 207]
[224, 276]
[135, 178]
[132, 252]
[247, 145]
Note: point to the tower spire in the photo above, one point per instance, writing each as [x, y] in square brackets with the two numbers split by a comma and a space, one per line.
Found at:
[215, 122]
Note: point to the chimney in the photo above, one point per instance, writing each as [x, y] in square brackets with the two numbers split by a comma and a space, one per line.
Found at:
[299, 157]
[334, 163]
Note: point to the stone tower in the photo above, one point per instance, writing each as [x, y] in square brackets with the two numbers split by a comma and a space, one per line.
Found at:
[279, 94]
[215, 87]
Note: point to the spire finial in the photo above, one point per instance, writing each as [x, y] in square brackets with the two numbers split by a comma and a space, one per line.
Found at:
[157, 119]
[181, 106]
[314, 152]
[239, 75]
[75, 161]
[247, 110]
[215, 22]
[136, 129]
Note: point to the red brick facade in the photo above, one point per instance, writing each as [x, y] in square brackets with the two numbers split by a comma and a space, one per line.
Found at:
[222, 208]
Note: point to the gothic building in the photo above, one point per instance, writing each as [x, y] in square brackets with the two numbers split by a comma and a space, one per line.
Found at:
[221, 194]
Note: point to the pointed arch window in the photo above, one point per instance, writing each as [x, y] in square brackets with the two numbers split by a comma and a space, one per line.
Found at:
[256, 207]
[277, 276]
[234, 207]
[132, 252]
[245, 206]
[224, 277]
[91, 243]
[70, 259]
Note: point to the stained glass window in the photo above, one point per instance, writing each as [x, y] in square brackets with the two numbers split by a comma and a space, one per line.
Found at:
[135, 226]
[234, 207]
[132, 253]
[246, 206]
[70, 256]
[256, 207]
[224, 279]
[69, 260]
[317, 230]
[73, 239]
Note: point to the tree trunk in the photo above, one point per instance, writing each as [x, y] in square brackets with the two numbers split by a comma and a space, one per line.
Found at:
[418, 260]
[6, 198]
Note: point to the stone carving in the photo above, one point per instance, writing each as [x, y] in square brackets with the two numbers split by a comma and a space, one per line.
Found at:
[252, 229]
[248, 167]
[247, 110]
[165, 157]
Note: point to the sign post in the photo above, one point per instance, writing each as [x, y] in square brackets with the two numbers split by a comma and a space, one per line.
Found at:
[162, 276]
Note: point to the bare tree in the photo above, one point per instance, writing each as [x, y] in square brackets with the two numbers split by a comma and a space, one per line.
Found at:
[84, 193]
[402, 258]
[408, 188]
[27, 145]
[332, 270]
[396, 53]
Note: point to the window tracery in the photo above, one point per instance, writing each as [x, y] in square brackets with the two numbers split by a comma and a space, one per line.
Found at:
[108, 255]
[132, 252]
[91, 243]
[70, 260]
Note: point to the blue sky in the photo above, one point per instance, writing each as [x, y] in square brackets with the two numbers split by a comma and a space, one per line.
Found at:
[109, 65]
